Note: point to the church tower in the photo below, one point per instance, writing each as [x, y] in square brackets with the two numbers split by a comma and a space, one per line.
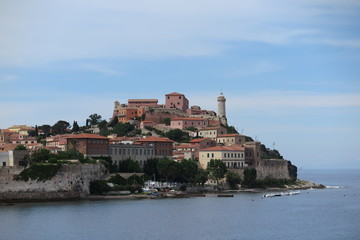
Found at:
[221, 109]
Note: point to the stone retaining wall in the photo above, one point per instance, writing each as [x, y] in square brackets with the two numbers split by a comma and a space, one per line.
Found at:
[72, 181]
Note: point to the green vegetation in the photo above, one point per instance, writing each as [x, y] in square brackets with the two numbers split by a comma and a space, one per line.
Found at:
[230, 129]
[93, 119]
[121, 129]
[192, 129]
[167, 121]
[157, 131]
[269, 154]
[129, 165]
[20, 147]
[61, 127]
[217, 170]
[39, 172]
[233, 179]
[250, 176]
[132, 184]
[272, 182]
[178, 135]
[75, 127]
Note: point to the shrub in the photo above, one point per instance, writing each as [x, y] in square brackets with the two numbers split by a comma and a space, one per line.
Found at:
[99, 187]
[39, 172]
[52, 160]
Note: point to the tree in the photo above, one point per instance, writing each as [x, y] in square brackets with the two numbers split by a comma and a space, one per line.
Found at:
[60, 127]
[177, 135]
[167, 121]
[40, 155]
[250, 175]
[94, 119]
[36, 131]
[113, 122]
[189, 170]
[217, 170]
[233, 179]
[75, 127]
[122, 129]
[129, 166]
[45, 129]
[102, 124]
[169, 169]
[201, 176]
[20, 147]
[150, 168]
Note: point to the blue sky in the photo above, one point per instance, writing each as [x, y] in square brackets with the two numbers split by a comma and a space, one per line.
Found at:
[289, 69]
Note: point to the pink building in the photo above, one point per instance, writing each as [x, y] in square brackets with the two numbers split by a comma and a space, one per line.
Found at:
[182, 123]
[144, 124]
[176, 100]
[142, 103]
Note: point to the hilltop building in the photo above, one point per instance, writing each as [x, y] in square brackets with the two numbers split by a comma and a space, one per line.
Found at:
[91, 145]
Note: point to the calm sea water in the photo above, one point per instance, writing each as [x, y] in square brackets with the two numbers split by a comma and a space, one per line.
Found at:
[313, 214]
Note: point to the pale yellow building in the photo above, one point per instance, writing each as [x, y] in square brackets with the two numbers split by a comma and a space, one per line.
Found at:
[232, 156]
[230, 139]
[212, 132]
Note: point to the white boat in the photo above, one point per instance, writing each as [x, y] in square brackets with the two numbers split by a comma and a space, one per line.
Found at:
[279, 194]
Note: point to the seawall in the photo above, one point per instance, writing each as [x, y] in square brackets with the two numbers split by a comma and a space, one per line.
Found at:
[273, 168]
[71, 182]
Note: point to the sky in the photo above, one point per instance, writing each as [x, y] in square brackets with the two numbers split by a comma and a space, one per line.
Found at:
[290, 70]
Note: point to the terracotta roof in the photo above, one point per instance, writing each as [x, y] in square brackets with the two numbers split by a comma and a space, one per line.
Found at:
[143, 100]
[198, 140]
[230, 135]
[86, 136]
[188, 119]
[184, 146]
[174, 94]
[155, 139]
[210, 128]
[224, 148]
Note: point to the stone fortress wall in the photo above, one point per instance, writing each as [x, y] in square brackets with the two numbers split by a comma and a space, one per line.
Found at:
[71, 182]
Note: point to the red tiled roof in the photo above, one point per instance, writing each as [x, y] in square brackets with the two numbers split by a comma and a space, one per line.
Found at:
[224, 148]
[184, 146]
[210, 128]
[230, 135]
[174, 94]
[198, 140]
[143, 100]
[188, 119]
[86, 136]
[155, 139]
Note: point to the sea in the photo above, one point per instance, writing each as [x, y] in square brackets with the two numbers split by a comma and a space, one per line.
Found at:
[332, 213]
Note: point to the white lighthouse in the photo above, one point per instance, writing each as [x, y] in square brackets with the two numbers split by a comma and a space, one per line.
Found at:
[221, 105]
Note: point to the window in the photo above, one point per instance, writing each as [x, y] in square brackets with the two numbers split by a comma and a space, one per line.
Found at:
[212, 155]
[208, 155]
[179, 97]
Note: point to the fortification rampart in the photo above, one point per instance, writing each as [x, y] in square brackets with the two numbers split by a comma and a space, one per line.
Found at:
[273, 168]
[72, 181]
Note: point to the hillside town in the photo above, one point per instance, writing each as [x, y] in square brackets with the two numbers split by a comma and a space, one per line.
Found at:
[208, 136]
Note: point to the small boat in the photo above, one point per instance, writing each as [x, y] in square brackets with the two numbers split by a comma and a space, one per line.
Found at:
[279, 194]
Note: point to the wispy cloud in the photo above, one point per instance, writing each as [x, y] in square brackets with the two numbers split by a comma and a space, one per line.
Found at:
[99, 69]
[7, 78]
[255, 69]
[38, 33]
